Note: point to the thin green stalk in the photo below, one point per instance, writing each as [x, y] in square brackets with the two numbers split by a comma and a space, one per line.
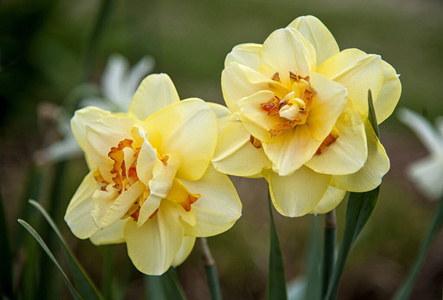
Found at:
[434, 228]
[108, 272]
[276, 271]
[211, 270]
[329, 253]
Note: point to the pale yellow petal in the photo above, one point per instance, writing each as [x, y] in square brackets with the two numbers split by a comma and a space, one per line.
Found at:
[245, 54]
[239, 81]
[184, 251]
[78, 214]
[297, 194]
[101, 136]
[328, 103]
[255, 118]
[155, 92]
[319, 36]
[218, 207]
[389, 95]
[235, 154]
[146, 159]
[122, 204]
[82, 118]
[162, 179]
[113, 234]
[291, 149]
[348, 153]
[153, 246]
[370, 176]
[330, 200]
[190, 129]
[286, 50]
[224, 116]
[358, 72]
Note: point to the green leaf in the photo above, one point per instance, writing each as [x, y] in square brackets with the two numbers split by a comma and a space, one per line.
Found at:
[329, 249]
[436, 225]
[37, 237]
[313, 258]
[82, 280]
[5, 256]
[371, 113]
[276, 273]
[164, 287]
[360, 208]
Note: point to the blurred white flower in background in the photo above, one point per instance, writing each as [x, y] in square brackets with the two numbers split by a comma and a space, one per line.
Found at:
[118, 84]
[426, 173]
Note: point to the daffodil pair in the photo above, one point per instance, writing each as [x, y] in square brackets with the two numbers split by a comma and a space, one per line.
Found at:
[299, 117]
[150, 183]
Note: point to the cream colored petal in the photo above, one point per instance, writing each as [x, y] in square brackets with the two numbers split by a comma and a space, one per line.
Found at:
[286, 50]
[330, 200]
[122, 204]
[159, 186]
[348, 153]
[153, 246]
[245, 54]
[78, 214]
[218, 207]
[190, 129]
[82, 118]
[297, 194]
[358, 72]
[223, 114]
[320, 37]
[185, 250]
[370, 176]
[423, 129]
[255, 118]
[389, 95]
[239, 81]
[146, 159]
[291, 149]
[113, 234]
[427, 174]
[155, 92]
[235, 154]
[101, 136]
[328, 103]
[151, 204]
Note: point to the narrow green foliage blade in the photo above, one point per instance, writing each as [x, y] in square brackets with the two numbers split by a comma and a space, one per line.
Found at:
[313, 258]
[6, 289]
[164, 287]
[82, 280]
[276, 273]
[435, 227]
[371, 114]
[37, 237]
[359, 210]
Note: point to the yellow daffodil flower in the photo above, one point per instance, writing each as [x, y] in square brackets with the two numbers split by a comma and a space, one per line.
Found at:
[299, 117]
[150, 183]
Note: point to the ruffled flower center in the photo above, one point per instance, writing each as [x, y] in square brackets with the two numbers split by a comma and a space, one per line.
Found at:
[293, 108]
[124, 175]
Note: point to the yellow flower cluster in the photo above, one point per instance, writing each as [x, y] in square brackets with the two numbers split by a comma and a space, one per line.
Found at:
[297, 116]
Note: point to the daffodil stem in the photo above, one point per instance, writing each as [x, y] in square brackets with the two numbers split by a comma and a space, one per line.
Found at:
[329, 252]
[435, 227]
[211, 270]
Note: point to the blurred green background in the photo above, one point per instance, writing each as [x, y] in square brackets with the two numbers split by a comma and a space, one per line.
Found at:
[43, 45]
